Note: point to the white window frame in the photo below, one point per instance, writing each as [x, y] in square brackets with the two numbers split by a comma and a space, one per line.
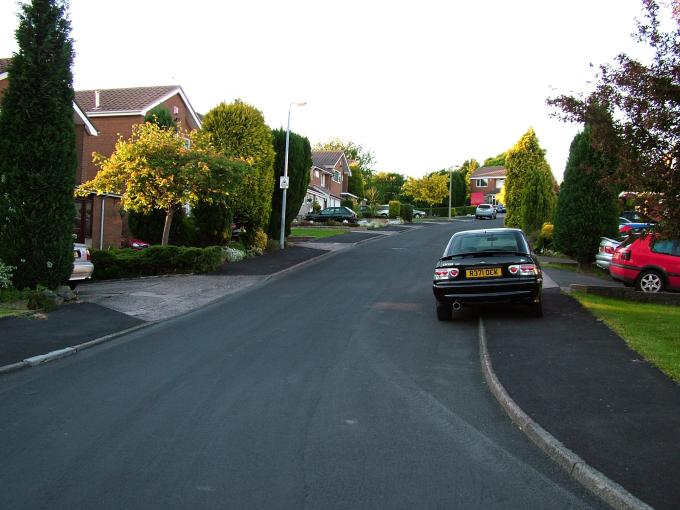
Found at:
[337, 174]
[480, 180]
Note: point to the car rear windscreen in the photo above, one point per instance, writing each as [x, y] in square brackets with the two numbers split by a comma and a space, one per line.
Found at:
[487, 242]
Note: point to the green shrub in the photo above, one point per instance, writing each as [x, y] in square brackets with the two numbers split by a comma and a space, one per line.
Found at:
[149, 227]
[545, 237]
[394, 208]
[273, 245]
[5, 275]
[155, 260]
[406, 212]
[348, 202]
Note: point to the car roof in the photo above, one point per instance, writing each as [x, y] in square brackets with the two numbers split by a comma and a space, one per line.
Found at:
[484, 231]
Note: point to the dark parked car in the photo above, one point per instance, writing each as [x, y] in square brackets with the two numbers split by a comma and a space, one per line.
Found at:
[339, 214]
[648, 262]
[487, 266]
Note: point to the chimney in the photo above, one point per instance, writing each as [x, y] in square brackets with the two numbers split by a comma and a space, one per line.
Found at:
[96, 99]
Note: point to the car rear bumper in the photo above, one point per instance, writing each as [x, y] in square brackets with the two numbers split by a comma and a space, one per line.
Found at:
[82, 271]
[622, 273]
[490, 291]
[602, 260]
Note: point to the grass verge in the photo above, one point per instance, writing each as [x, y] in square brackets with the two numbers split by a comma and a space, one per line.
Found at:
[650, 329]
[317, 233]
[574, 268]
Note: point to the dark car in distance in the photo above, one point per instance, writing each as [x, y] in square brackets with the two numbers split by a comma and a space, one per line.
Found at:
[487, 266]
[339, 214]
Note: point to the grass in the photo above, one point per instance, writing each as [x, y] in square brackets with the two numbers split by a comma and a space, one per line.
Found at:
[575, 268]
[650, 329]
[316, 232]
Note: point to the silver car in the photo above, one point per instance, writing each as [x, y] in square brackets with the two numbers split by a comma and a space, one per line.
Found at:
[605, 252]
[82, 267]
[485, 211]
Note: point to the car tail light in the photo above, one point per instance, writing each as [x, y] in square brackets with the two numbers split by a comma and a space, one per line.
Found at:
[87, 255]
[445, 273]
[608, 249]
[524, 269]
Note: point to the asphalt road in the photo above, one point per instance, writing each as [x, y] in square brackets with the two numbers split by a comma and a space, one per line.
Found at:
[333, 386]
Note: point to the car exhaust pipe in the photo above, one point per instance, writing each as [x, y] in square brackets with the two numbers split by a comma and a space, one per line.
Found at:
[456, 306]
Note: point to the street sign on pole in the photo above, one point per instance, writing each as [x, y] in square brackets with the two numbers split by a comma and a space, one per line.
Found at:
[284, 182]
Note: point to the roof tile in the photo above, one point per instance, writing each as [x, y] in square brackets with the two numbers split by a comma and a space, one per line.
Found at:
[122, 100]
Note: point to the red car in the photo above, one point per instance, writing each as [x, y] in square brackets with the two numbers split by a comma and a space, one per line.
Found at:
[649, 263]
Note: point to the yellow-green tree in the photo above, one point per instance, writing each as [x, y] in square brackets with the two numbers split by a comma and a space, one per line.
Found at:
[157, 169]
[430, 189]
[238, 131]
[523, 159]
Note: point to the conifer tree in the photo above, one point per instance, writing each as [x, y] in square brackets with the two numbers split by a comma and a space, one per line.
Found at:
[586, 208]
[299, 165]
[38, 149]
[526, 155]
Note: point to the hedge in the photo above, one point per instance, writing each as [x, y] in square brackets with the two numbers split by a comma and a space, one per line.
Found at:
[155, 260]
[394, 208]
[462, 210]
[406, 212]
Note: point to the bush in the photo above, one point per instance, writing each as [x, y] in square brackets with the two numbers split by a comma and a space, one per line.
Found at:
[5, 275]
[348, 202]
[406, 212]
[212, 224]
[545, 236]
[273, 245]
[155, 260]
[233, 254]
[149, 227]
[254, 239]
[394, 208]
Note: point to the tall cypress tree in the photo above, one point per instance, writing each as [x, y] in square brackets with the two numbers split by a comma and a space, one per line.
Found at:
[299, 165]
[586, 208]
[38, 149]
[526, 155]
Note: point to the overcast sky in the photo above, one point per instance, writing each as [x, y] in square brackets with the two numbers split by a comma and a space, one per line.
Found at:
[424, 85]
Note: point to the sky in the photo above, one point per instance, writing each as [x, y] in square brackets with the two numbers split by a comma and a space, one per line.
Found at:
[423, 85]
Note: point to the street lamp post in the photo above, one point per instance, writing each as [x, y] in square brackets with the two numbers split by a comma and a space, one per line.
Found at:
[284, 180]
[450, 188]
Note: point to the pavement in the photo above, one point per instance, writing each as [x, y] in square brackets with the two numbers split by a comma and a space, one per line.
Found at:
[594, 397]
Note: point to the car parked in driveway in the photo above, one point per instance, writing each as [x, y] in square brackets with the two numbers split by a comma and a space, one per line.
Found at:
[82, 265]
[485, 211]
[500, 208]
[650, 263]
[605, 252]
[487, 266]
[339, 214]
[627, 226]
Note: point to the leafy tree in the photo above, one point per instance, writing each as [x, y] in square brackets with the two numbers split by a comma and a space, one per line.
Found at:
[468, 166]
[586, 210]
[358, 157]
[634, 113]
[388, 185]
[155, 170]
[238, 130]
[161, 116]
[458, 188]
[299, 163]
[538, 198]
[495, 161]
[356, 182]
[525, 156]
[431, 189]
[38, 149]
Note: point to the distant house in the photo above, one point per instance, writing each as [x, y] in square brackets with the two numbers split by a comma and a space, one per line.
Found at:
[86, 134]
[328, 180]
[115, 112]
[485, 183]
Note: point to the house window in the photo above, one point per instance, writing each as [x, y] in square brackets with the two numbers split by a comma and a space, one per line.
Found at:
[323, 180]
[316, 174]
[500, 183]
[187, 142]
[481, 183]
[337, 176]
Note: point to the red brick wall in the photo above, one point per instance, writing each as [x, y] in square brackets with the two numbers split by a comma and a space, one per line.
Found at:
[3, 86]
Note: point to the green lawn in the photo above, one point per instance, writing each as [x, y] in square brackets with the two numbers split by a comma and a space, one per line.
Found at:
[315, 232]
[652, 330]
[574, 268]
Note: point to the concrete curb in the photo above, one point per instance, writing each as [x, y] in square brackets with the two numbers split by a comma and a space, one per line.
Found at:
[629, 294]
[609, 491]
[68, 351]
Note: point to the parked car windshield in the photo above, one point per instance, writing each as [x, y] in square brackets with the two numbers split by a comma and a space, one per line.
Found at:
[487, 242]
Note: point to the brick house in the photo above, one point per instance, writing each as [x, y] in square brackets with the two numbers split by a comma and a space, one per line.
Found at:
[86, 133]
[328, 180]
[485, 183]
[99, 219]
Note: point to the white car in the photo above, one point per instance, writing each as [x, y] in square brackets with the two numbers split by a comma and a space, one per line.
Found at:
[82, 267]
[485, 211]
